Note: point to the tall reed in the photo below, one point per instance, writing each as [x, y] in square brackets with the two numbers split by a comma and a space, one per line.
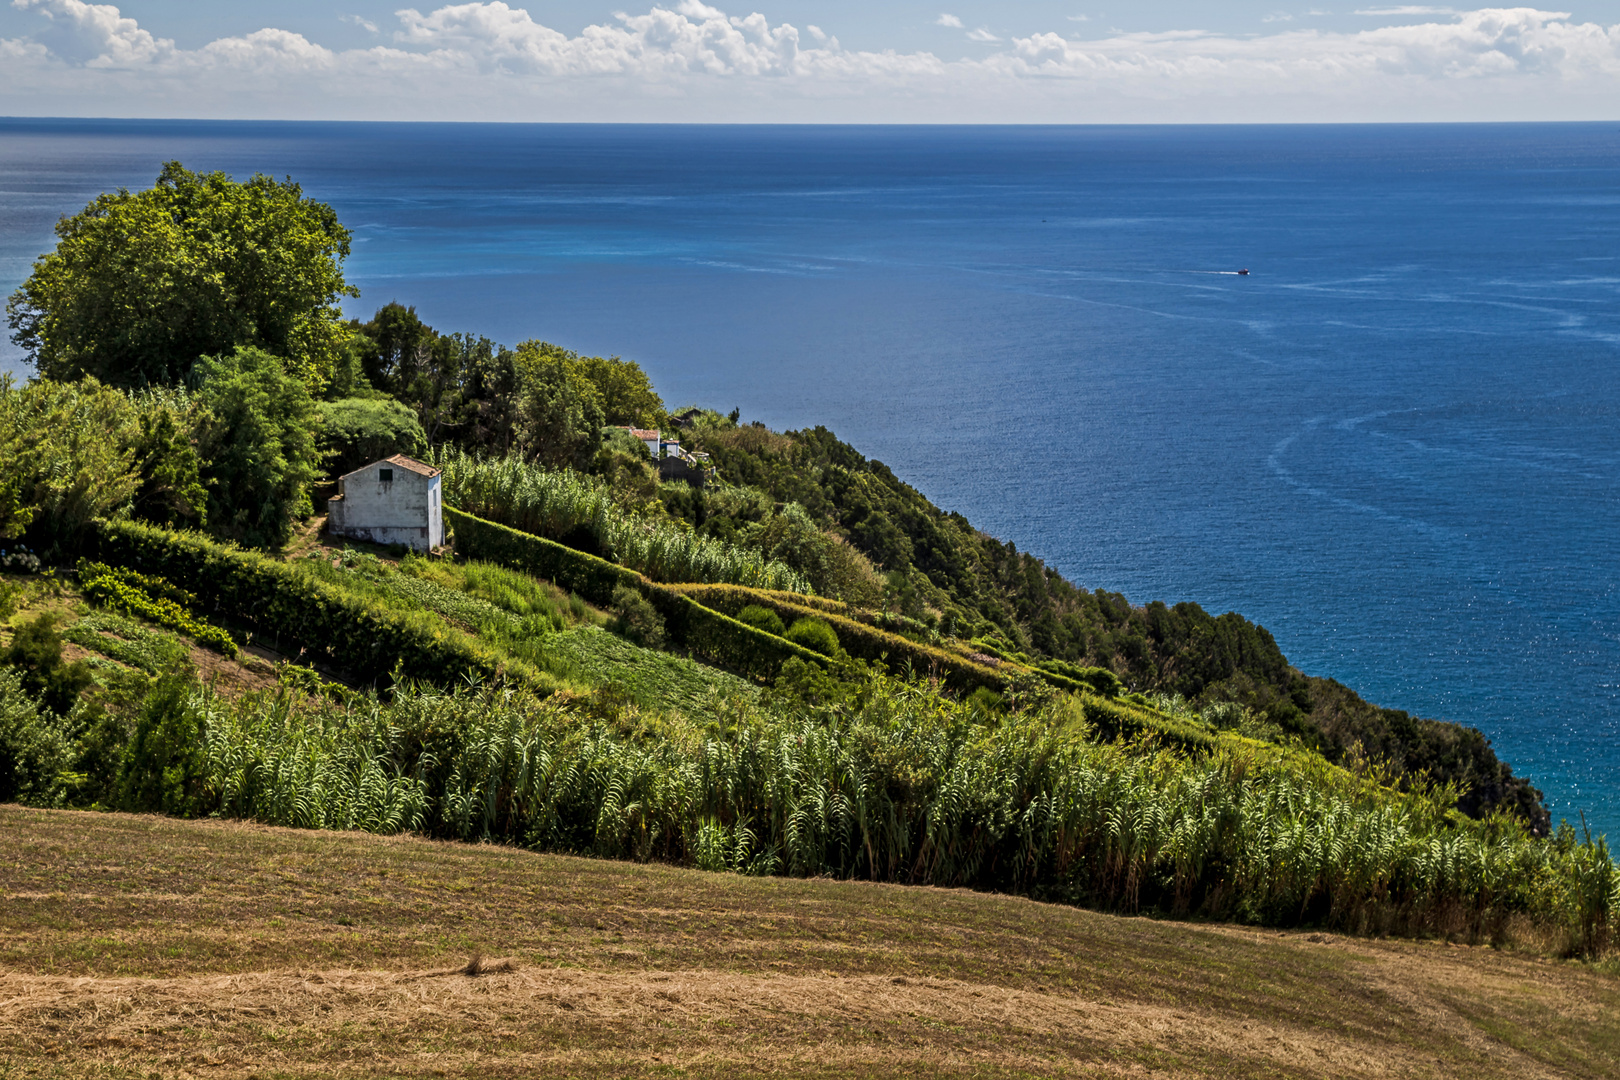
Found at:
[561, 504]
[905, 785]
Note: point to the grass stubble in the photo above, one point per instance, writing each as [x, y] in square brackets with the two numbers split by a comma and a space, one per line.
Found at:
[132, 946]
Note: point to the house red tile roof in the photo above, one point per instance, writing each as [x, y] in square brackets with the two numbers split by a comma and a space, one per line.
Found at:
[409, 464]
[412, 464]
[644, 433]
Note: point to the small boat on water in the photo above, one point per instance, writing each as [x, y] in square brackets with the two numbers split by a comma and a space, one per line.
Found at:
[1244, 272]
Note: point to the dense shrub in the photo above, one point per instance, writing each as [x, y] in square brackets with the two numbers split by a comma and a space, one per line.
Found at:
[35, 753]
[762, 618]
[637, 620]
[163, 766]
[814, 634]
[36, 652]
[67, 455]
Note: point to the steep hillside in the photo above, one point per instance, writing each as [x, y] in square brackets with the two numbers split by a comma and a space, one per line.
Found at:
[942, 570]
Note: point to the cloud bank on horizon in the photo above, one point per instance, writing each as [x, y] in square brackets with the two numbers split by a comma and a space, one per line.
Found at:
[693, 62]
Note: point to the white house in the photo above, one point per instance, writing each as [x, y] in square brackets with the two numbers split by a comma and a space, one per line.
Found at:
[392, 501]
[649, 436]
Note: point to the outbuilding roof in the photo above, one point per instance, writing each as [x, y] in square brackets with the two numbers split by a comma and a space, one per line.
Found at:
[409, 464]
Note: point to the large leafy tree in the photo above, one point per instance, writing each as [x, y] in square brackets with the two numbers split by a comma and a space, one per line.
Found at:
[560, 410]
[142, 284]
[627, 393]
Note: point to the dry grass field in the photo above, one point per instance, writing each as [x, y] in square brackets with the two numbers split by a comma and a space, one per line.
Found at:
[140, 947]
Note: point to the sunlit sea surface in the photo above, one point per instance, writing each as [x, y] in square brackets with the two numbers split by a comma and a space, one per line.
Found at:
[1394, 443]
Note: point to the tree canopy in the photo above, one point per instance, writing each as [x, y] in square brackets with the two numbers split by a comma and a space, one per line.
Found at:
[142, 284]
[355, 431]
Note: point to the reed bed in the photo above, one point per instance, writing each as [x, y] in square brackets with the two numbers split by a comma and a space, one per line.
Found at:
[907, 786]
[566, 506]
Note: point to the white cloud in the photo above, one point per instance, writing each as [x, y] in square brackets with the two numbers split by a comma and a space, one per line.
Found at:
[949, 20]
[96, 33]
[1411, 9]
[1277, 16]
[355, 20]
[1079, 18]
[690, 60]
[1492, 42]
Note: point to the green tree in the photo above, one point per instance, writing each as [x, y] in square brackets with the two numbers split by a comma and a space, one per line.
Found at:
[357, 431]
[67, 454]
[142, 284]
[171, 490]
[256, 436]
[628, 397]
[833, 567]
[490, 409]
[561, 414]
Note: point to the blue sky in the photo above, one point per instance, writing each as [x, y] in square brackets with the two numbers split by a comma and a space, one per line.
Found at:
[810, 60]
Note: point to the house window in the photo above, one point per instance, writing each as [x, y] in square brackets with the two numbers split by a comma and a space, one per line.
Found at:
[385, 475]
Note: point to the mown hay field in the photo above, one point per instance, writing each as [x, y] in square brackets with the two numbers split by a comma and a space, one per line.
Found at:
[133, 946]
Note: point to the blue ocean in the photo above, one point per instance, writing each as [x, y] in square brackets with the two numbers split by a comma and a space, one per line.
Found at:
[1395, 442]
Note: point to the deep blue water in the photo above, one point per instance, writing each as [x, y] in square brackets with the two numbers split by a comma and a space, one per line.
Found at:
[1395, 443]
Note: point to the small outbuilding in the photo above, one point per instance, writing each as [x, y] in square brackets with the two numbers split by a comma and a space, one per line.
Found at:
[393, 501]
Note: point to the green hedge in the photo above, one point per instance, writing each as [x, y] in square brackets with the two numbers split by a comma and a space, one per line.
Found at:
[288, 610]
[722, 639]
[1116, 719]
[710, 634]
[591, 577]
[858, 639]
[706, 623]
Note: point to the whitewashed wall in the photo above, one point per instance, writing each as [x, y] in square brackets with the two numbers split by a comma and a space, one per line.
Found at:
[408, 510]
